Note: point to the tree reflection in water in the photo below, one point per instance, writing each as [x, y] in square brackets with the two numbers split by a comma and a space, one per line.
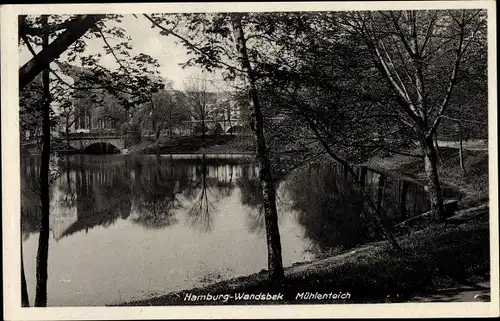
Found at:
[102, 194]
[251, 196]
[329, 210]
[97, 191]
[163, 185]
[225, 185]
[66, 186]
[30, 196]
[155, 193]
[200, 214]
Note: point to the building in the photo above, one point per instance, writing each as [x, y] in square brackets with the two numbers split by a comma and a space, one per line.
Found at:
[93, 110]
[219, 111]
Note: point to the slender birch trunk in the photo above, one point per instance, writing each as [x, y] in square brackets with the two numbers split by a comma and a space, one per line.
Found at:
[275, 265]
[25, 301]
[461, 146]
[43, 242]
[433, 186]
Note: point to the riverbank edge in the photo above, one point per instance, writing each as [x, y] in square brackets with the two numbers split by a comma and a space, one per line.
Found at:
[378, 253]
[210, 144]
[371, 273]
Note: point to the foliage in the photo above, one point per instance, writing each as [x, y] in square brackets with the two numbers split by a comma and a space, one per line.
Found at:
[166, 109]
[30, 110]
[131, 83]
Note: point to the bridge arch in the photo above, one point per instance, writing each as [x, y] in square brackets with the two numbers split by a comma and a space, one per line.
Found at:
[85, 143]
[101, 148]
[235, 129]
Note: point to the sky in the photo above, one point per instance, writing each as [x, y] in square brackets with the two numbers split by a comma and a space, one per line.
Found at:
[148, 40]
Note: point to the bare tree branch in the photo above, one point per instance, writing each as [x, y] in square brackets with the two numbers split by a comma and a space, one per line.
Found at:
[112, 51]
[452, 81]
[402, 36]
[188, 43]
[428, 33]
[403, 87]
[406, 102]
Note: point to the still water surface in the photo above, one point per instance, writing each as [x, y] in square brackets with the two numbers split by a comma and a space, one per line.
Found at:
[126, 228]
[129, 227]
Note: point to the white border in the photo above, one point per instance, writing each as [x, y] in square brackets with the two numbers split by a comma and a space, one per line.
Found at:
[11, 177]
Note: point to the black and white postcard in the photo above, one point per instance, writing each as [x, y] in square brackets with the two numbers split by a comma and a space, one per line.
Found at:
[249, 160]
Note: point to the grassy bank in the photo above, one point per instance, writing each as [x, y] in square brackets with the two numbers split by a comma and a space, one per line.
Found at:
[433, 258]
[212, 144]
[473, 184]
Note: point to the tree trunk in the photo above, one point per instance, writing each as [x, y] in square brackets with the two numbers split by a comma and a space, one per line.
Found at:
[438, 153]
[275, 265]
[67, 137]
[170, 123]
[362, 177]
[402, 200]
[433, 187]
[229, 121]
[68, 174]
[203, 128]
[380, 192]
[153, 125]
[25, 301]
[461, 147]
[43, 242]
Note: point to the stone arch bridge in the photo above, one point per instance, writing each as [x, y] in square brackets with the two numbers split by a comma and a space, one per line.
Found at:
[83, 141]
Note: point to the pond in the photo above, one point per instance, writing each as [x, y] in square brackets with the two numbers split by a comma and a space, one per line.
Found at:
[127, 227]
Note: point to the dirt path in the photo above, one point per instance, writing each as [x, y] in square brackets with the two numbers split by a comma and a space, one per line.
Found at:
[479, 292]
[470, 145]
